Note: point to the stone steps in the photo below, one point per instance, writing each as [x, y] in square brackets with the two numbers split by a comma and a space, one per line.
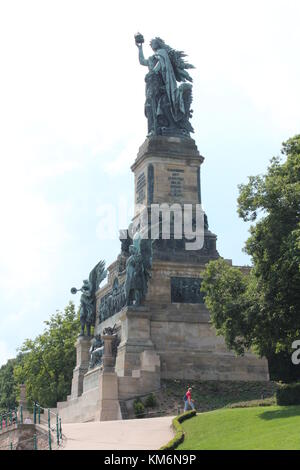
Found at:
[124, 411]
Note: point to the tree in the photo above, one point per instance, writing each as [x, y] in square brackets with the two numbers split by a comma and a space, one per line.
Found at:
[8, 385]
[227, 298]
[49, 359]
[262, 310]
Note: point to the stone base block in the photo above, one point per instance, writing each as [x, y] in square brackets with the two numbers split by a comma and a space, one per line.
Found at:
[135, 339]
[109, 411]
[81, 409]
[91, 379]
[109, 408]
[141, 383]
[82, 363]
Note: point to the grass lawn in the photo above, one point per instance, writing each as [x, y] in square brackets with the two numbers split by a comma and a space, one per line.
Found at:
[268, 428]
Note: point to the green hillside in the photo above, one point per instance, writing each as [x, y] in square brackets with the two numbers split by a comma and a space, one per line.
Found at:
[256, 428]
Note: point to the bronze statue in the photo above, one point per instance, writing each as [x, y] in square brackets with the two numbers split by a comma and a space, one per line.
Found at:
[96, 351]
[167, 105]
[88, 297]
[138, 269]
[135, 280]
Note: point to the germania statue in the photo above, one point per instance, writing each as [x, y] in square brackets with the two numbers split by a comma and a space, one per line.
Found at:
[167, 105]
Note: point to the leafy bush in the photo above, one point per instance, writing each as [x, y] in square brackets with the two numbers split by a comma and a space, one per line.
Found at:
[253, 403]
[288, 394]
[179, 433]
[150, 401]
[139, 408]
[282, 369]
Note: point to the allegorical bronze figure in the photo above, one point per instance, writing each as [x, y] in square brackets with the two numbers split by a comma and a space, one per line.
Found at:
[167, 105]
[88, 297]
[138, 269]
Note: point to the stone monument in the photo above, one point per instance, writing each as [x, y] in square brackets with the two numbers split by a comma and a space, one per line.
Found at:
[152, 300]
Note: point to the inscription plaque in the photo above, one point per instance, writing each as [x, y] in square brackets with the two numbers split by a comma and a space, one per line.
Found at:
[176, 181]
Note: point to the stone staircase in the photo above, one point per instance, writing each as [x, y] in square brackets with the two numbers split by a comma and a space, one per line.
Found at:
[124, 411]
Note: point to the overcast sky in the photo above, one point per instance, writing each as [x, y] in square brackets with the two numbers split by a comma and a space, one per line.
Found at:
[72, 120]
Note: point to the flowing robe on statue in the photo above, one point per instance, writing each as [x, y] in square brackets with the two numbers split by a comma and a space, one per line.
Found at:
[165, 67]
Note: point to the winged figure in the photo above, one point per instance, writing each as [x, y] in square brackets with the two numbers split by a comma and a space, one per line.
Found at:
[88, 297]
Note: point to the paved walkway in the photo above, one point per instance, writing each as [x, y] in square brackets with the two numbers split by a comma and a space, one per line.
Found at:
[150, 433]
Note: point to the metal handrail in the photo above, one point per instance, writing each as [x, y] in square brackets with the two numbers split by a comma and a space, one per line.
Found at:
[15, 417]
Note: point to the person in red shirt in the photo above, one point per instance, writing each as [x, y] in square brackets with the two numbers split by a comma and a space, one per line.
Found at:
[188, 400]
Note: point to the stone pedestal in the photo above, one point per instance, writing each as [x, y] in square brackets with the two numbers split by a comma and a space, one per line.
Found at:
[173, 322]
[167, 171]
[137, 362]
[108, 359]
[135, 338]
[82, 345]
[109, 409]
[108, 385]
[170, 336]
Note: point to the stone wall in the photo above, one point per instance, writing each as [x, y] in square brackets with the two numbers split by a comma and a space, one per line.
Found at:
[21, 437]
[81, 409]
